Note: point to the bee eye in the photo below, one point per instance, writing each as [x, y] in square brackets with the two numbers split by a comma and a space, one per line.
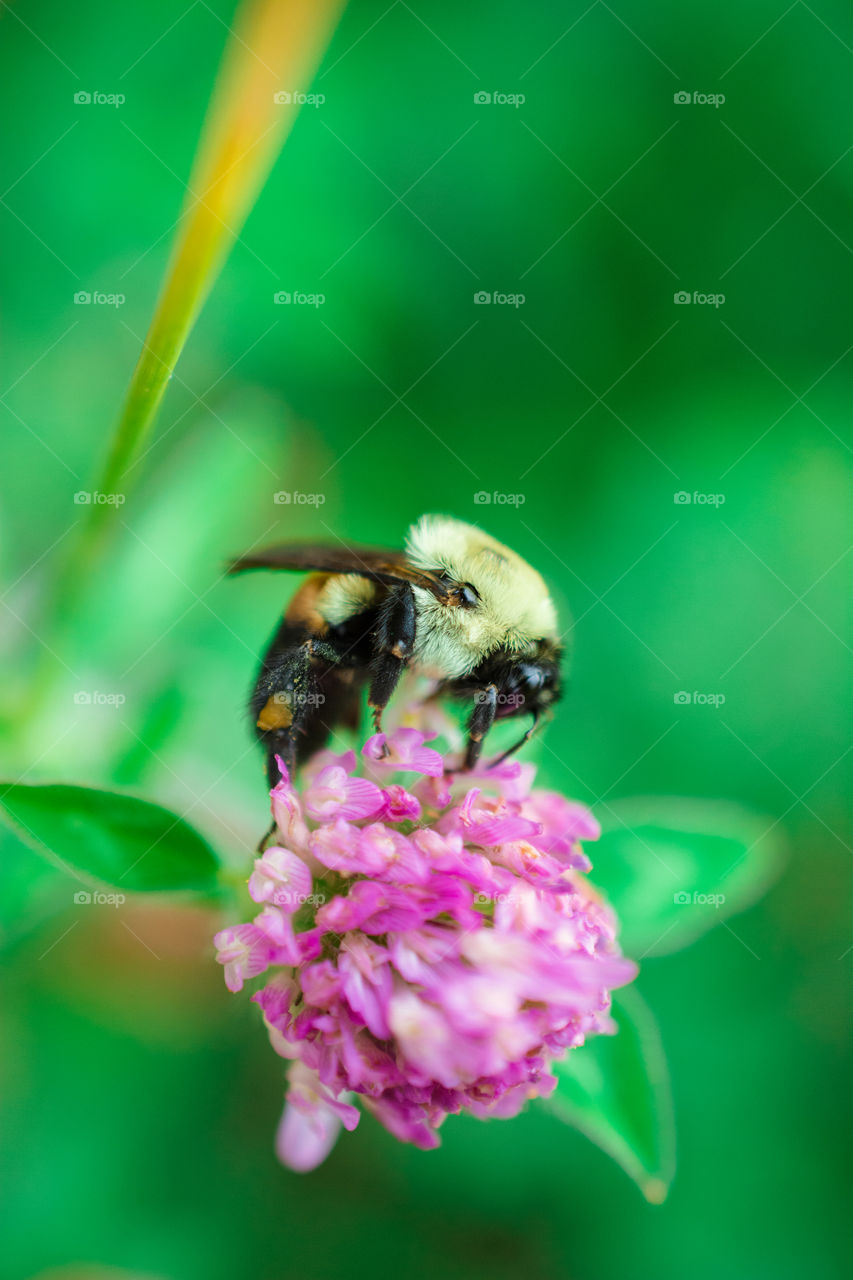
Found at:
[462, 594]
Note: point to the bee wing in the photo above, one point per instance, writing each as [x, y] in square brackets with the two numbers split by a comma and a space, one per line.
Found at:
[377, 564]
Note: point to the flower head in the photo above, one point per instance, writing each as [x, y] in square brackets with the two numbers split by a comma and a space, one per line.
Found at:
[427, 950]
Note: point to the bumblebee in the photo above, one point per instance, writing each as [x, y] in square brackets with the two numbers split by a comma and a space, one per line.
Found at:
[455, 606]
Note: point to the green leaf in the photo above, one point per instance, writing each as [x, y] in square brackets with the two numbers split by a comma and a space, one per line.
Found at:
[118, 839]
[31, 889]
[615, 1090]
[674, 868]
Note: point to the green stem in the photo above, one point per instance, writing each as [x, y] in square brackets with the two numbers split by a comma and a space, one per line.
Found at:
[275, 45]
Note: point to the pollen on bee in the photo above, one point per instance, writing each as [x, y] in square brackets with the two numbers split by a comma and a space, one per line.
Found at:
[276, 713]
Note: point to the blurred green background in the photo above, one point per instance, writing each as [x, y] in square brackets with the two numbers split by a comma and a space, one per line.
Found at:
[138, 1099]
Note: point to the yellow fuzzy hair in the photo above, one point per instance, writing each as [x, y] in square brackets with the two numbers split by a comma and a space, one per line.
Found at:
[514, 609]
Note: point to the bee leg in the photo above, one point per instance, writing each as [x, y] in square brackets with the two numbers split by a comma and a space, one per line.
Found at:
[281, 745]
[286, 702]
[265, 838]
[482, 719]
[395, 641]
